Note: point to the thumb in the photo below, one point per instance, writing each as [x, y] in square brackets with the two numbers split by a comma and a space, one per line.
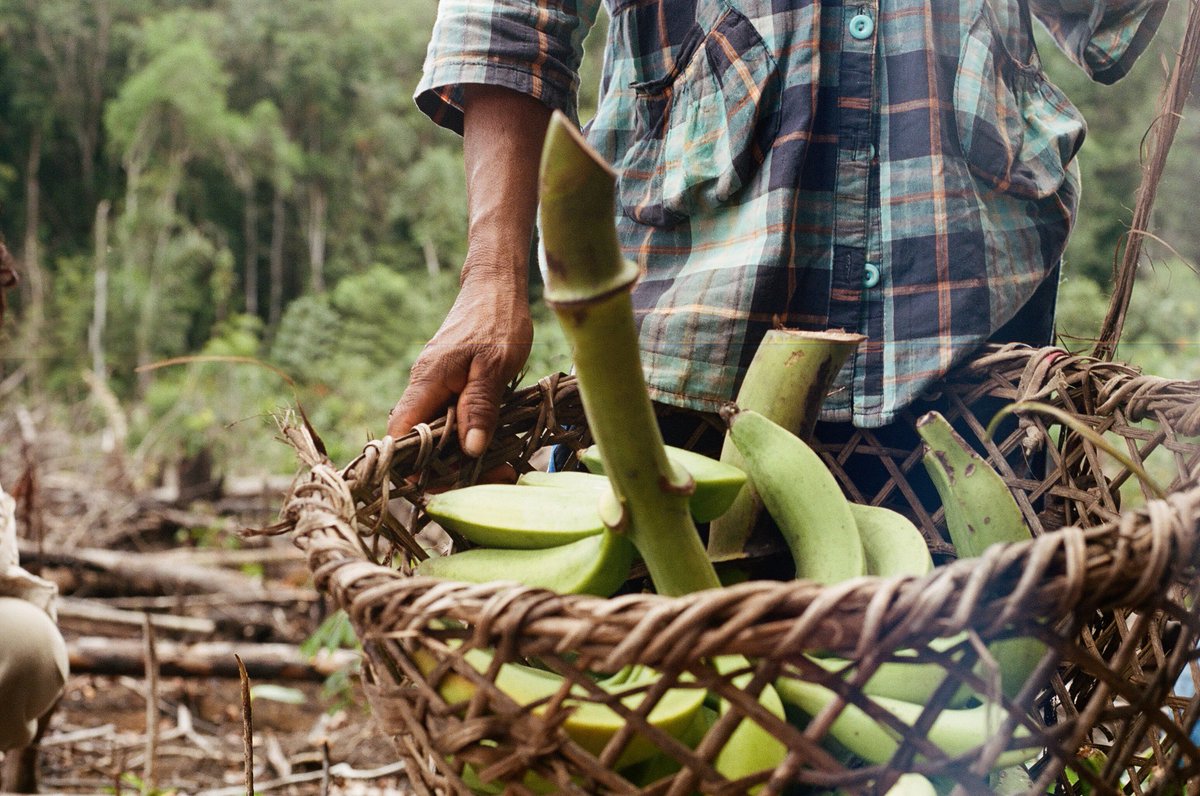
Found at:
[479, 406]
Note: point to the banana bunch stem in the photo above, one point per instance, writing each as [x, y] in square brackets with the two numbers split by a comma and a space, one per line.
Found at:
[588, 284]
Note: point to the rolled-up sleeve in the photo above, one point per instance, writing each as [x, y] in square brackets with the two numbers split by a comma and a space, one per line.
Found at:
[1105, 37]
[530, 46]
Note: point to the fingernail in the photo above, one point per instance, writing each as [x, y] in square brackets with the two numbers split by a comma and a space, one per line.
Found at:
[474, 443]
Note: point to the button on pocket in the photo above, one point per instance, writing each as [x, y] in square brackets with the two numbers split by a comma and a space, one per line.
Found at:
[1018, 132]
[704, 130]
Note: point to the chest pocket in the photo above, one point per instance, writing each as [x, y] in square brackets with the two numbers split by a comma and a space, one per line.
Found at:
[1017, 130]
[704, 129]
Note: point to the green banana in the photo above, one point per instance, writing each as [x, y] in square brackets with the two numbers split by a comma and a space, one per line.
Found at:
[1011, 781]
[912, 785]
[891, 544]
[571, 479]
[802, 497]
[787, 380]
[980, 509]
[980, 512]
[520, 517]
[717, 483]
[955, 732]
[751, 749]
[648, 772]
[597, 564]
[911, 682]
[590, 724]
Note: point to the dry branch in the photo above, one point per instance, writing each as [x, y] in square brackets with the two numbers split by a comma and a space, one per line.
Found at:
[155, 573]
[69, 608]
[107, 656]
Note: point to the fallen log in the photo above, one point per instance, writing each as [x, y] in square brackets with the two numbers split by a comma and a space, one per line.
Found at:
[107, 656]
[70, 608]
[144, 573]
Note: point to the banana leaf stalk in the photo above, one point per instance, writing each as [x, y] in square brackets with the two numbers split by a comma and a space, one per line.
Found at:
[588, 284]
[786, 382]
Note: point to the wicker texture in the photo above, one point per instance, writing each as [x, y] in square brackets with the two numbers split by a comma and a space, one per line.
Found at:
[1107, 589]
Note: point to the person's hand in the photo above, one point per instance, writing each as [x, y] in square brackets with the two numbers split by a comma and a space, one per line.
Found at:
[480, 348]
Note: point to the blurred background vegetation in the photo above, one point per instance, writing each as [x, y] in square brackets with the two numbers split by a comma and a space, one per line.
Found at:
[249, 180]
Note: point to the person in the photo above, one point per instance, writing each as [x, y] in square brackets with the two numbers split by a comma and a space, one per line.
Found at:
[899, 168]
[33, 655]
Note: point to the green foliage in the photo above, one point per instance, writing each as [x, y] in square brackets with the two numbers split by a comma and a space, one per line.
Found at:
[1161, 330]
[225, 405]
[334, 633]
[1160, 333]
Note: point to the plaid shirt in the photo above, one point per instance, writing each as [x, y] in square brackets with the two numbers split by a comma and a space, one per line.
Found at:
[901, 168]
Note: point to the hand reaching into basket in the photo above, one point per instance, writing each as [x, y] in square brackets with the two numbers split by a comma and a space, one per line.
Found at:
[487, 335]
[481, 346]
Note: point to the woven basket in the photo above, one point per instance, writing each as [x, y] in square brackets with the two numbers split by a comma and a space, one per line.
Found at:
[1109, 590]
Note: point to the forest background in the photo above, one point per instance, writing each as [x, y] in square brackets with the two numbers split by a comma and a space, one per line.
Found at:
[250, 180]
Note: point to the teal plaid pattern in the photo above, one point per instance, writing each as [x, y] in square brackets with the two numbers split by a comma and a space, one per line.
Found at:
[901, 168]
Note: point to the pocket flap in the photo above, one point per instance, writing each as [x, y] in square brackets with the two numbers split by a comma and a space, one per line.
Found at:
[704, 130]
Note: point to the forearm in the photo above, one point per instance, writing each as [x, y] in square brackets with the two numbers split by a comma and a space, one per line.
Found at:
[502, 144]
[485, 338]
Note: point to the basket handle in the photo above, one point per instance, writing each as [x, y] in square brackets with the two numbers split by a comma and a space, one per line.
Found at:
[1161, 136]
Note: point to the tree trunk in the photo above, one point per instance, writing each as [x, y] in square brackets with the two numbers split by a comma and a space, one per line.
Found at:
[100, 293]
[34, 277]
[148, 317]
[275, 311]
[250, 267]
[318, 210]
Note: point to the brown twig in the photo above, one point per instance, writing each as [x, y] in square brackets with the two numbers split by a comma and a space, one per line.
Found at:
[247, 727]
[325, 775]
[150, 775]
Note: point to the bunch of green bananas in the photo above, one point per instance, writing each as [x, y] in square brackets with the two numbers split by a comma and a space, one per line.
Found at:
[550, 529]
[832, 540]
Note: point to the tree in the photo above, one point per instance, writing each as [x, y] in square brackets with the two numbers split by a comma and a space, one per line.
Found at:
[169, 112]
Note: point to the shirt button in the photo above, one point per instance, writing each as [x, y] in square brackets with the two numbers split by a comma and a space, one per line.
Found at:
[861, 26]
[870, 275]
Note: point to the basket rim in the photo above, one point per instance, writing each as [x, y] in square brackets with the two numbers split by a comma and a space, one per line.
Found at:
[1128, 562]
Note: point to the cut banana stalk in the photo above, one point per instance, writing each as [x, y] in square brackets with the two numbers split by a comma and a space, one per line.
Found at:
[588, 284]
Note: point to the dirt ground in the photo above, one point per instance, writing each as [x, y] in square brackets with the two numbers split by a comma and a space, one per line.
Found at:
[96, 741]
[118, 553]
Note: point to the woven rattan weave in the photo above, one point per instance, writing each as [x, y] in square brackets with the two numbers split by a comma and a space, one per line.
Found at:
[1108, 584]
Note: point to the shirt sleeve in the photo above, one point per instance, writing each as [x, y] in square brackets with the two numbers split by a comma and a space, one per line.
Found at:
[530, 46]
[1104, 37]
